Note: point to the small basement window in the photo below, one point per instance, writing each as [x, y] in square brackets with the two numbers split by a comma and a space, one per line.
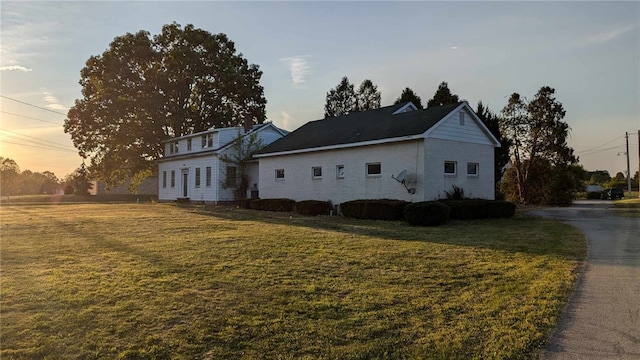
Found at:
[450, 168]
[279, 174]
[374, 169]
[316, 172]
[472, 169]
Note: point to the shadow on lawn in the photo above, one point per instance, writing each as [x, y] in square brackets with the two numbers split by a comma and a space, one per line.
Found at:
[518, 234]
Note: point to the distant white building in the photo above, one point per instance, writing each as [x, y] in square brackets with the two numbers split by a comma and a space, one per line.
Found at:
[191, 167]
[394, 152]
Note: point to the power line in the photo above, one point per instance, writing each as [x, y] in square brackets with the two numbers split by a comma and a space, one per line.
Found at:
[607, 143]
[39, 139]
[46, 147]
[27, 117]
[35, 106]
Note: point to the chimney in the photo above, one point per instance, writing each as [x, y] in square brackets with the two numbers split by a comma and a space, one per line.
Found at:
[248, 122]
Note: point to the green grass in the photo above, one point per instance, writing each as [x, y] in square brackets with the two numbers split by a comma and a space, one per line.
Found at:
[628, 207]
[131, 281]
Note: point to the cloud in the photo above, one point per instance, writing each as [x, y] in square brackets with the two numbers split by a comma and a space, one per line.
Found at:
[454, 48]
[52, 102]
[14, 67]
[607, 36]
[287, 120]
[299, 68]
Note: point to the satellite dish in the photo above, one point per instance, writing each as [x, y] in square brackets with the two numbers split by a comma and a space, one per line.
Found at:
[401, 176]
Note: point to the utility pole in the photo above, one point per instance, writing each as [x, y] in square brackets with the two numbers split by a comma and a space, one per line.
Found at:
[626, 135]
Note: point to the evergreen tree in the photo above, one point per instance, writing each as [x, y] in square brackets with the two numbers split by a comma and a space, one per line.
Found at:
[443, 96]
[501, 154]
[342, 100]
[408, 95]
[368, 96]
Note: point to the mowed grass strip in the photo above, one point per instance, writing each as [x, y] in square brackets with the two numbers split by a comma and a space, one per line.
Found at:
[157, 281]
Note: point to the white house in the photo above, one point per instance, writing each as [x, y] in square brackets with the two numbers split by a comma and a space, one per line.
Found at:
[192, 169]
[394, 152]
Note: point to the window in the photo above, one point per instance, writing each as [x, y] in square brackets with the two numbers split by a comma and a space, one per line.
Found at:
[175, 146]
[316, 171]
[374, 169]
[450, 168]
[173, 178]
[171, 147]
[340, 171]
[231, 176]
[461, 114]
[207, 141]
[279, 174]
[189, 144]
[198, 177]
[208, 176]
[472, 169]
[164, 179]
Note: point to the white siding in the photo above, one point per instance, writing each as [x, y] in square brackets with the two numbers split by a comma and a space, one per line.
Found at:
[451, 129]
[438, 151]
[202, 193]
[299, 183]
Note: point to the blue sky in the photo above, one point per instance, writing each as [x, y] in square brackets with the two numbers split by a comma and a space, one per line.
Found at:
[588, 51]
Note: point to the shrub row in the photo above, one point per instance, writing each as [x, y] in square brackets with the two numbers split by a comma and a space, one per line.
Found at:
[428, 213]
[307, 207]
[382, 209]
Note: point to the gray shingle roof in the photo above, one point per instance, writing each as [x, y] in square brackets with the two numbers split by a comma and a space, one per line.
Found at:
[358, 127]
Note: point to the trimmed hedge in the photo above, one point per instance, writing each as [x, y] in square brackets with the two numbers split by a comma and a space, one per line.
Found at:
[283, 205]
[313, 207]
[245, 203]
[427, 213]
[381, 209]
[469, 209]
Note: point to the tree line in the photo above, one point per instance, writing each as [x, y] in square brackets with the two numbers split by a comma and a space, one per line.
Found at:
[15, 182]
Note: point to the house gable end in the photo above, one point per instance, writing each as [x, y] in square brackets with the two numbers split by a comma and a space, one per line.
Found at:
[468, 128]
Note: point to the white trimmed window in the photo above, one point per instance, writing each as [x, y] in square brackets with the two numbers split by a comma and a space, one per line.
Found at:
[232, 176]
[340, 171]
[461, 114]
[173, 178]
[197, 177]
[472, 169]
[208, 176]
[164, 179]
[450, 168]
[279, 174]
[374, 169]
[316, 172]
[189, 144]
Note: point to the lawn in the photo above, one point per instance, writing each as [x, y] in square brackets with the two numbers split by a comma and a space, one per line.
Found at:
[152, 281]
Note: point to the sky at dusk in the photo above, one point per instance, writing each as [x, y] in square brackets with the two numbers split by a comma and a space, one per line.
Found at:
[588, 51]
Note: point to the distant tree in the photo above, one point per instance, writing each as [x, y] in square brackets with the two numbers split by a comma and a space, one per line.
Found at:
[539, 149]
[443, 96]
[619, 181]
[501, 154]
[143, 90]
[77, 182]
[239, 156]
[598, 177]
[342, 100]
[9, 177]
[368, 97]
[408, 95]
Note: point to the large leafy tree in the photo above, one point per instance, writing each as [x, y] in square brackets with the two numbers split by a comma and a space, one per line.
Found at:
[501, 154]
[341, 100]
[368, 96]
[144, 89]
[9, 177]
[541, 157]
[443, 96]
[408, 95]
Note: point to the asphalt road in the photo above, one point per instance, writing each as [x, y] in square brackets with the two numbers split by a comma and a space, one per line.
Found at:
[602, 319]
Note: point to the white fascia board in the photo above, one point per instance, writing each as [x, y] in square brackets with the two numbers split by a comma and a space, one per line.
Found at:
[343, 146]
[404, 108]
[475, 117]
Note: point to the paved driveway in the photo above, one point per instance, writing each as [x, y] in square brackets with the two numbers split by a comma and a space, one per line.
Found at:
[602, 320]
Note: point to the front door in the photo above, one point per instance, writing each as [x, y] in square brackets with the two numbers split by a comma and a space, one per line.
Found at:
[185, 183]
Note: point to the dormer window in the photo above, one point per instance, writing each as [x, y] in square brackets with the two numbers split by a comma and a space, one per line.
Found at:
[207, 141]
[406, 108]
